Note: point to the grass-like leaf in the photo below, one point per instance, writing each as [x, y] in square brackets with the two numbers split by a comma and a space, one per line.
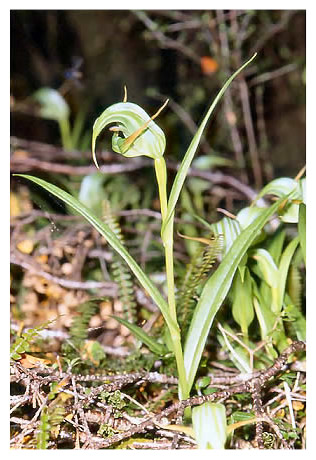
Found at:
[268, 270]
[215, 291]
[187, 160]
[284, 270]
[112, 239]
[265, 316]
[141, 335]
[302, 229]
[242, 305]
[275, 247]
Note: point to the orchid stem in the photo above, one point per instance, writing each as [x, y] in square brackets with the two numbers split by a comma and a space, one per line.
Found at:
[167, 239]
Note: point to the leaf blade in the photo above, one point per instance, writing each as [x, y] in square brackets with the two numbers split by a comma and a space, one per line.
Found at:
[188, 157]
[302, 229]
[140, 334]
[112, 239]
[215, 291]
[284, 266]
[210, 425]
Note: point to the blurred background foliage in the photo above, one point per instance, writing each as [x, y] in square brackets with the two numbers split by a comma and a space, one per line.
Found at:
[184, 55]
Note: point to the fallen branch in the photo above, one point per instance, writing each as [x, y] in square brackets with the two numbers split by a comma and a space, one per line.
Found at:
[251, 383]
[26, 164]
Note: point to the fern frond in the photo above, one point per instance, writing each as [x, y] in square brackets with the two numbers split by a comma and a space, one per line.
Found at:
[120, 271]
[57, 415]
[51, 418]
[22, 344]
[79, 328]
[197, 271]
[43, 430]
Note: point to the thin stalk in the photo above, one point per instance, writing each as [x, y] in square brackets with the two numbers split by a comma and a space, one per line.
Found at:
[65, 133]
[167, 240]
[161, 175]
[167, 236]
[175, 334]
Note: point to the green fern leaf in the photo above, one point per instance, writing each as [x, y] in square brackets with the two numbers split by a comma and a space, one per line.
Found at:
[197, 271]
[44, 430]
[23, 344]
[120, 272]
[79, 328]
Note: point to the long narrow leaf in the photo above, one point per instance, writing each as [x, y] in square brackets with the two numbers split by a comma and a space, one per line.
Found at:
[302, 229]
[187, 160]
[242, 305]
[284, 270]
[275, 247]
[215, 291]
[230, 229]
[112, 239]
[265, 316]
[141, 335]
[267, 267]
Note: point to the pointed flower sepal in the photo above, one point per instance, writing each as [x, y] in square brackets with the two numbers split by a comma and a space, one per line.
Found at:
[135, 133]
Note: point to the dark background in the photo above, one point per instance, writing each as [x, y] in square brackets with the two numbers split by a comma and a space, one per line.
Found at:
[160, 53]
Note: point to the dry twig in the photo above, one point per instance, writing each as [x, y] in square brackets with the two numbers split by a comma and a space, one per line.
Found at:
[34, 379]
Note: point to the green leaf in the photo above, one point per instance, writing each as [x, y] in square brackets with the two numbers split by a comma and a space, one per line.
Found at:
[215, 291]
[290, 214]
[283, 186]
[207, 162]
[97, 352]
[271, 325]
[298, 321]
[280, 187]
[247, 215]
[77, 135]
[284, 269]
[267, 266]
[230, 229]
[302, 229]
[242, 307]
[188, 157]
[239, 416]
[141, 335]
[203, 382]
[210, 425]
[112, 239]
[237, 354]
[266, 317]
[53, 105]
[276, 245]
[91, 192]
[268, 272]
